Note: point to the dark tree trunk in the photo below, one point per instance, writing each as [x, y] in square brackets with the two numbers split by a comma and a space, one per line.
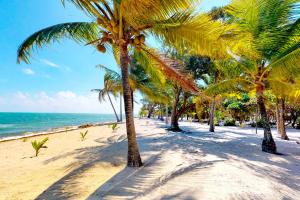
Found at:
[133, 157]
[280, 121]
[212, 115]
[121, 115]
[174, 115]
[112, 105]
[150, 110]
[268, 143]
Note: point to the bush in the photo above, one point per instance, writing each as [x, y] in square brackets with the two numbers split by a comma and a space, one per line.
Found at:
[229, 122]
[37, 145]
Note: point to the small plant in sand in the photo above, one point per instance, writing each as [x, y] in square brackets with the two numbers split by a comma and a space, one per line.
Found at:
[115, 127]
[83, 135]
[37, 145]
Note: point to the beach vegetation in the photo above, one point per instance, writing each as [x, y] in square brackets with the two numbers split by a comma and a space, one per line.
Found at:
[115, 127]
[83, 135]
[38, 145]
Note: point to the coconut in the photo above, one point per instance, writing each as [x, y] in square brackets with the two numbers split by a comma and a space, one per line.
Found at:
[109, 40]
[101, 48]
[142, 38]
[104, 34]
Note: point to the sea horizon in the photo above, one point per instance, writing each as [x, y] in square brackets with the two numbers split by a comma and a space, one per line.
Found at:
[21, 123]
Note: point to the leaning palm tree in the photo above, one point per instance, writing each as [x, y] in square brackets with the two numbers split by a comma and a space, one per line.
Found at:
[123, 26]
[112, 85]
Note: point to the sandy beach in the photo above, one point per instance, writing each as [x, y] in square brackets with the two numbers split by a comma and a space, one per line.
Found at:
[196, 164]
[68, 167]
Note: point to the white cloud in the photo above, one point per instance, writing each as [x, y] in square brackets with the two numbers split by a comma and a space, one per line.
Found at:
[28, 71]
[49, 63]
[60, 102]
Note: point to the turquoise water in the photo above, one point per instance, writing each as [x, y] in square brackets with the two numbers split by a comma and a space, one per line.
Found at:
[12, 124]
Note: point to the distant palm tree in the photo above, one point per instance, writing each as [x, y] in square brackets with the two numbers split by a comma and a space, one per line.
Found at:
[125, 24]
[112, 85]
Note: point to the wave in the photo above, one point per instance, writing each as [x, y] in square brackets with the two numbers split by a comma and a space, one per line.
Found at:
[2, 126]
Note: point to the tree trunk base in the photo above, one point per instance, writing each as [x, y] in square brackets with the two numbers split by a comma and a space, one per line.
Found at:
[175, 129]
[285, 137]
[134, 161]
[269, 146]
[211, 130]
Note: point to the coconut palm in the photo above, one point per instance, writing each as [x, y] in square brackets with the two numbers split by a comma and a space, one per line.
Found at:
[112, 85]
[121, 24]
[270, 31]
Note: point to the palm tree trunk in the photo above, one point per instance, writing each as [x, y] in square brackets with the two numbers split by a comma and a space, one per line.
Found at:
[280, 118]
[112, 105]
[174, 115]
[167, 113]
[268, 143]
[212, 116]
[133, 156]
[121, 115]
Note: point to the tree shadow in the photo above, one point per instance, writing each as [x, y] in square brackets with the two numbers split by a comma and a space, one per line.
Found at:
[157, 149]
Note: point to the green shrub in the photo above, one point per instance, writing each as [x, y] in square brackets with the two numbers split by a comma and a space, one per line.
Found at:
[37, 145]
[229, 122]
[83, 135]
[114, 127]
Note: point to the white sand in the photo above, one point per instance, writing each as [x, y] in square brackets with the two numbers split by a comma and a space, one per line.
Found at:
[197, 165]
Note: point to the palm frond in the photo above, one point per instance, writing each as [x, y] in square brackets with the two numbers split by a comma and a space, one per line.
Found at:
[281, 88]
[225, 86]
[287, 65]
[136, 12]
[199, 33]
[168, 67]
[77, 31]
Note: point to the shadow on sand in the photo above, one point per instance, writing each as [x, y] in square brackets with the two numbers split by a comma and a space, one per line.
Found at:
[132, 183]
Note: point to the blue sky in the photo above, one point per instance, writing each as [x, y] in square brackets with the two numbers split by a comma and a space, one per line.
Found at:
[60, 75]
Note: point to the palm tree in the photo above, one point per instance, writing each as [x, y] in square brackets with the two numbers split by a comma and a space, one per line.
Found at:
[270, 31]
[112, 85]
[124, 24]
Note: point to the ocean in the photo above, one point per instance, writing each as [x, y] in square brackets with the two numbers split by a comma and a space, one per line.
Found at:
[14, 124]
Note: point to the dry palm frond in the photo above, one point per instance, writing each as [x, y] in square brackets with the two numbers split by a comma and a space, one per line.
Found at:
[170, 68]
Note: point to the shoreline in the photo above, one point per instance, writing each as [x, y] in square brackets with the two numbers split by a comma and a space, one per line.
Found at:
[55, 131]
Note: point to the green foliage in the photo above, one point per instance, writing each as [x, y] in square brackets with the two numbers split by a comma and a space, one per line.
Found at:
[78, 31]
[229, 122]
[115, 127]
[83, 135]
[37, 145]
[219, 115]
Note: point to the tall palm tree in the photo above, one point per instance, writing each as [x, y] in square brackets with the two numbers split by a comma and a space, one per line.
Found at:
[270, 29]
[121, 24]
